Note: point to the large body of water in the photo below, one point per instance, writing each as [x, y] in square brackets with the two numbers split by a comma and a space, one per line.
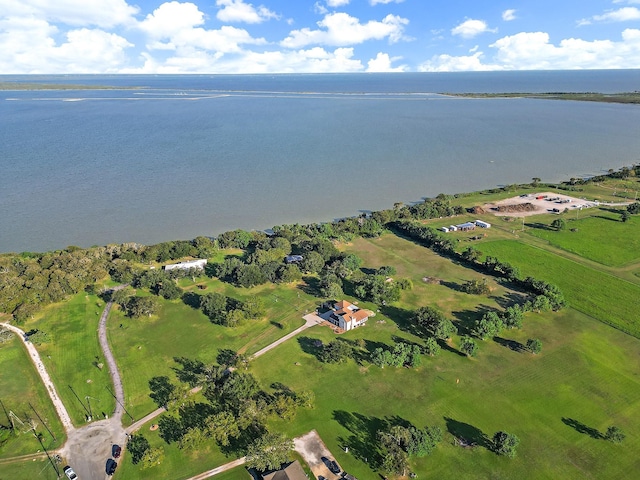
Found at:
[181, 156]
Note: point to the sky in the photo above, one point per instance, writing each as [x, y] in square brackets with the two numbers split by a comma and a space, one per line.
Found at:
[309, 36]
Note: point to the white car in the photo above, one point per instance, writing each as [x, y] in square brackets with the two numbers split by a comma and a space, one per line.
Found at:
[68, 471]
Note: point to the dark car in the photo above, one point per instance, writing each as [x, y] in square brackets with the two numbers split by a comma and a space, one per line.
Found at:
[111, 466]
[333, 466]
[116, 451]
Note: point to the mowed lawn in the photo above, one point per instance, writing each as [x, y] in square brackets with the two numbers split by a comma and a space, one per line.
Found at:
[586, 376]
[21, 388]
[602, 238]
[146, 347]
[604, 297]
[72, 355]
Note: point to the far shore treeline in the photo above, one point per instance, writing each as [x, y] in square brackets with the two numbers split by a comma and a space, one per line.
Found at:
[30, 281]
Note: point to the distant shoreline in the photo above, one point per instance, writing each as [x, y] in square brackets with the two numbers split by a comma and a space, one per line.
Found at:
[623, 97]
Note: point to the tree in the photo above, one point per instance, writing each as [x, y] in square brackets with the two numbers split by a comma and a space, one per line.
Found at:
[214, 306]
[505, 444]
[289, 273]
[534, 345]
[535, 181]
[312, 262]
[238, 387]
[336, 351]
[625, 216]
[139, 306]
[169, 290]
[249, 276]
[559, 224]
[634, 208]
[222, 427]
[162, 391]
[488, 326]
[269, 452]
[476, 287]
[253, 307]
[468, 346]
[192, 439]
[431, 347]
[137, 447]
[614, 434]
[152, 457]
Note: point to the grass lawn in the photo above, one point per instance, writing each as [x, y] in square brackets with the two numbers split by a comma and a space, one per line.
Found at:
[145, 347]
[607, 298]
[40, 469]
[585, 375]
[602, 238]
[72, 354]
[19, 389]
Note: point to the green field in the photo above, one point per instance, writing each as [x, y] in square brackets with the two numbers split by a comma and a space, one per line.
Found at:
[601, 237]
[72, 354]
[19, 389]
[597, 294]
[145, 347]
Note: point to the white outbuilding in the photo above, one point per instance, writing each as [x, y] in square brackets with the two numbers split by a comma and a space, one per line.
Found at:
[482, 224]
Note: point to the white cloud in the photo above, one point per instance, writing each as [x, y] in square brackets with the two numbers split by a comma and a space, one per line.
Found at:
[341, 29]
[382, 63]
[626, 1]
[28, 47]
[509, 15]
[471, 28]
[337, 3]
[384, 2]
[533, 51]
[238, 11]
[102, 13]
[314, 60]
[320, 9]
[464, 63]
[176, 25]
[624, 14]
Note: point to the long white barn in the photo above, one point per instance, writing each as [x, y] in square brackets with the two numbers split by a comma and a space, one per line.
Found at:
[199, 263]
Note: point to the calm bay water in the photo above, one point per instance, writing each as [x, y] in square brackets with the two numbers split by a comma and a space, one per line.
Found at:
[182, 156]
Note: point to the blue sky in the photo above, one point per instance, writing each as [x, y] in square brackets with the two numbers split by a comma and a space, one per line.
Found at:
[299, 36]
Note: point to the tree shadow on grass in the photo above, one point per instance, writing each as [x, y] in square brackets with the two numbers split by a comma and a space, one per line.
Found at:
[466, 319]
[310, 286]
[312, 346]
[510, 344]
[468, 434]
[509, 299]
[363, 440]
[540, 226]
[445, 346]
[602, 217]
[191, 299]
[456, 287]
[582, 428]
[402, 318]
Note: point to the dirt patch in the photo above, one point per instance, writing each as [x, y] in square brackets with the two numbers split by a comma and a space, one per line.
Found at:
[537, 203]
[316, 454]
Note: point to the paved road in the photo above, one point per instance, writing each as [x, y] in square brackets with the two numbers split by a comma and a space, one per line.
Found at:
[42, 371]
[311, 320]
[88, 448]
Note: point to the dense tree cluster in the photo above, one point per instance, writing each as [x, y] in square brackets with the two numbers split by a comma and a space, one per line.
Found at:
[234, 414]
[505, 444]
[399, 442]
[402, 355]
[228, 311]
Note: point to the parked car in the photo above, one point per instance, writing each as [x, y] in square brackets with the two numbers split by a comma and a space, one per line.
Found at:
[111, 466]
[68, 471]
[333, 466]
[116, 451]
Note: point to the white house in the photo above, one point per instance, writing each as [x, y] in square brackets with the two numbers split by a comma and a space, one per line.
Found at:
[482, 224]
[198, 263]
[347, 316]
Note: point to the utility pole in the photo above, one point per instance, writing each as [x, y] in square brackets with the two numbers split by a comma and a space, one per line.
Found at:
[78, 398]
[42, 421]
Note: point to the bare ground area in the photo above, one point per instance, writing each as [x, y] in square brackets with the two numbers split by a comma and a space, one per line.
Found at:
[311, 447]
[543, 202]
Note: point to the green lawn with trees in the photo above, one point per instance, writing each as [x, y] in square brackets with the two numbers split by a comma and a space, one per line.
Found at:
[22, 391]
[472, 365]
[601, 237]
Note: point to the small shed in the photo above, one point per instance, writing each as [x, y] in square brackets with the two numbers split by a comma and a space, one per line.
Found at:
[482, 224]
[465, 227]
[293, 258]
[198, 263]
[453, 228]
[445, 229]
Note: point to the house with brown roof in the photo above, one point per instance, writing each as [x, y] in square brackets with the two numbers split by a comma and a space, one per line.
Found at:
[347, 316]
[293, 471]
